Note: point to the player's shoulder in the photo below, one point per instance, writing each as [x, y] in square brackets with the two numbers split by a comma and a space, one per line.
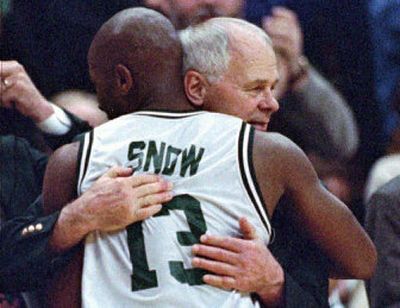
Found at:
[277, 149]
[271, 141]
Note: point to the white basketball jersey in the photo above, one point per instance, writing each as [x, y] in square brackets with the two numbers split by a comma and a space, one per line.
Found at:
[207, 156]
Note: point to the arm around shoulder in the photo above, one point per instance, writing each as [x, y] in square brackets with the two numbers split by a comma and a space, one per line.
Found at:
[324, 217]
[59, 191]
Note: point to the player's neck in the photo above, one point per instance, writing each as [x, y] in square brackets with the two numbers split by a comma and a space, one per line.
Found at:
[168, 96]
[170, 103]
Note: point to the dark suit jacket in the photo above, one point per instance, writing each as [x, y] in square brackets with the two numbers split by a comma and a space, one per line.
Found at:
[383, 225]
[306, 267]
[22, 170]
[26, 262]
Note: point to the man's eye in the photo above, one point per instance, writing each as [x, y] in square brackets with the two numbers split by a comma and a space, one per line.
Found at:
[258, 88]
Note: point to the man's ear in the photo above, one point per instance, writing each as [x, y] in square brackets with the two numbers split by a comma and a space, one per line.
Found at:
[196, 86]
[124, 79]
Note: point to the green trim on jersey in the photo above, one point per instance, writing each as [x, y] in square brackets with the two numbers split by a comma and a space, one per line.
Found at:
[245, 155]
[85, 149]
[168, 114]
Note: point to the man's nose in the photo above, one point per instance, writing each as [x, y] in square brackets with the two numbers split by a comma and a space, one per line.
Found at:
[270, 103]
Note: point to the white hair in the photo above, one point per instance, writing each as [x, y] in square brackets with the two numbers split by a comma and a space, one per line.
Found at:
[206, 50]
[206, 47]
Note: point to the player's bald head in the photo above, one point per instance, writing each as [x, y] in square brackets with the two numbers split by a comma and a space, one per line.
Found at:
[142, 40]
[134, 34]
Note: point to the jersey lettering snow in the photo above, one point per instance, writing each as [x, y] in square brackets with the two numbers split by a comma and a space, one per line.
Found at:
[164, 158]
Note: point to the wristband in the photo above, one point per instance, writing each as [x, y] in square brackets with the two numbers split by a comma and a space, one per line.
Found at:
[57, 124]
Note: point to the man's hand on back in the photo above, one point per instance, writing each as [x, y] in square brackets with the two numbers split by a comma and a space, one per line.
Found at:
[242, 264]
[114, 201]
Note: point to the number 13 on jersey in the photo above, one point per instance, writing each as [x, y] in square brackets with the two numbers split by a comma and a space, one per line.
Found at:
[142, 276]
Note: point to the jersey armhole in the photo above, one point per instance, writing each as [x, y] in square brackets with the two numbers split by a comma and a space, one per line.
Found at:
[247, 172]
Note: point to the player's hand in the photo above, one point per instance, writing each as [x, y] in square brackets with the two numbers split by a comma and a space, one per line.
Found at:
[287, 37]
[242, 264]
[118, 199]
[18, 91]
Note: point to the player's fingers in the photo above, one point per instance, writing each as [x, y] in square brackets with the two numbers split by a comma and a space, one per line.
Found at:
[156, 198]
[147, 212]
[229, 243]
[215, 267]
[215, 253]
[223, 282]
[152, 188]
[248, 230]
[117, 171]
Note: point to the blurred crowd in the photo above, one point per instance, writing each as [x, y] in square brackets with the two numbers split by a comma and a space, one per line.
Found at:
[338, 91]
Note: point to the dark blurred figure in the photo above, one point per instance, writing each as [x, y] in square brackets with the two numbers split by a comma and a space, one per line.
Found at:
[184, 13]
[51, 39]
[382, 196]
[385, 22]
[383, 225]
[337, 41]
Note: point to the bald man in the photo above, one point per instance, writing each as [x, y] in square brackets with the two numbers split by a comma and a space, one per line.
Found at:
[210, 158]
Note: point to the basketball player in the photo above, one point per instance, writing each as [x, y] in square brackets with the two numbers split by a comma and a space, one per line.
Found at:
[215, 162]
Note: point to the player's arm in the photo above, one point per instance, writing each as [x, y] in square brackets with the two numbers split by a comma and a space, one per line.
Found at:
[244, 264]
[58, 190]
[285, 167]
[114, 201]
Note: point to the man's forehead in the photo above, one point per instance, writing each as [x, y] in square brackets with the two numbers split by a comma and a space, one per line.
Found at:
[254, 65]
[251, 51]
